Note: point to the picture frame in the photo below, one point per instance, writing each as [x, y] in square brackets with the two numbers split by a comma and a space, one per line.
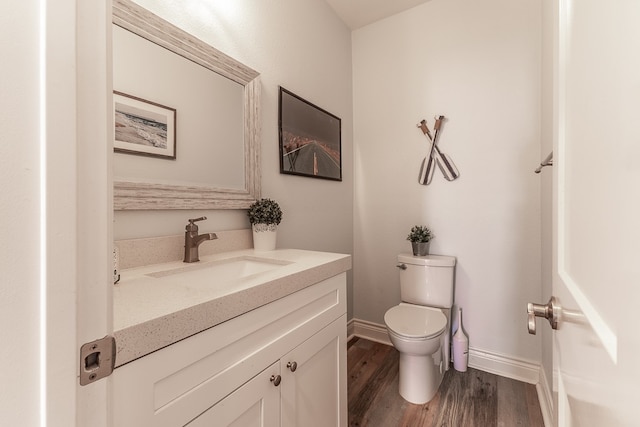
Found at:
[310, 138]
[143, 128]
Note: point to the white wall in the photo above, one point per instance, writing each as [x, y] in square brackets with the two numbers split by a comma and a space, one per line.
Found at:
[477, 63]
[19, 210]
[302, 46]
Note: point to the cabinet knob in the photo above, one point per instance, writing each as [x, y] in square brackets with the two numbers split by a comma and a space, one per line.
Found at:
[292, 366]
[275, 379]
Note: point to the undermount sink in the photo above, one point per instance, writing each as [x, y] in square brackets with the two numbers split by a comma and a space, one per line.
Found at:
[221, 270]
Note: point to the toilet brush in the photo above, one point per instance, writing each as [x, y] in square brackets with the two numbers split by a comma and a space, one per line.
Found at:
[460, 347]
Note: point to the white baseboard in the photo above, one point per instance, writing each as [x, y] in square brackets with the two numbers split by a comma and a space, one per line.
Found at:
[487, 361]
[368, 330]
[545, 397]
[505, 366]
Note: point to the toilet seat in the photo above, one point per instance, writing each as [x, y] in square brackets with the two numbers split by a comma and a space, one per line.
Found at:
[415, 322]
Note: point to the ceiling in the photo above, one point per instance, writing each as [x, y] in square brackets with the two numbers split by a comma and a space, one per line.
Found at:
[358, 13]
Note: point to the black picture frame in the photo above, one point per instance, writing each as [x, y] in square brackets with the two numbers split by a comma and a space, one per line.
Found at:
[310, 138]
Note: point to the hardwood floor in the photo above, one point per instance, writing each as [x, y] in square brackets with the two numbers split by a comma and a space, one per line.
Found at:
[465, 399]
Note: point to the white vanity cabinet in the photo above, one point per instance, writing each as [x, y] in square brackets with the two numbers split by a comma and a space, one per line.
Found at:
[227, 375]
[256, 403]
[307, 393]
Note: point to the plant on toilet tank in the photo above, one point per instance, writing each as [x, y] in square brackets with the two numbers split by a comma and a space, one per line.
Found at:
[264, 216]
[420, 238]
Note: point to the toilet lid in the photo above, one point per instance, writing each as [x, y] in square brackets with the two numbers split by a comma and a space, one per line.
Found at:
[415, 322]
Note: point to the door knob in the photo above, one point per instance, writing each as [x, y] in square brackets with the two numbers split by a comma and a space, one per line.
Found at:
[550, 311]
[292, 366]
[275, 379]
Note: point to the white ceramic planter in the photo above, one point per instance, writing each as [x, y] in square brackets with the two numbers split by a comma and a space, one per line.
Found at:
[264, 237]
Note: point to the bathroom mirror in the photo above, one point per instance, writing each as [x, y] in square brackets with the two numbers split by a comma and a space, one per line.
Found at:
[216, 101]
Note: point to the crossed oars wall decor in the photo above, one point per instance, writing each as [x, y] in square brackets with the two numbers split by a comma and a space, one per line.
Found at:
[435, 156]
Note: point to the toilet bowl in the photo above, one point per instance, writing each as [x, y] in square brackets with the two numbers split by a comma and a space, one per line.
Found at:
[417, 333]
[419, 327]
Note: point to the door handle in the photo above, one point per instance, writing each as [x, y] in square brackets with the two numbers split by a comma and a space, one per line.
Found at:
[550, 311]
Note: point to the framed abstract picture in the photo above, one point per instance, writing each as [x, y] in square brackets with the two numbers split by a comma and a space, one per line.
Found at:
[143, 127]
[310, 139]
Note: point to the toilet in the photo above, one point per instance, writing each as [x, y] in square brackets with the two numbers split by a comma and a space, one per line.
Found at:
[420, 326]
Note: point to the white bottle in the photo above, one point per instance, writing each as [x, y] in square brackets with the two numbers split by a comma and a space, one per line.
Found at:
[460, 347]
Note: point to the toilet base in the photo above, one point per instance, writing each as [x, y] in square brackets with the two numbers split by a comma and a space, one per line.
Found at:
[420, 377]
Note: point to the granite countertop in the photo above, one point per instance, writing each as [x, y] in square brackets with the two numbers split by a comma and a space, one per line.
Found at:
[154, 307]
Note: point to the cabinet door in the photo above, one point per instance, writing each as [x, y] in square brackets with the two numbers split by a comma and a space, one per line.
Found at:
[256, 403]
[314, 379]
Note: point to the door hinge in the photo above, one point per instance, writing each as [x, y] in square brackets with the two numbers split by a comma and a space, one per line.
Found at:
[97, 359]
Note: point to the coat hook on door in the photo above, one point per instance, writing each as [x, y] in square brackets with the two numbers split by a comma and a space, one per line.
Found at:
[546, 162]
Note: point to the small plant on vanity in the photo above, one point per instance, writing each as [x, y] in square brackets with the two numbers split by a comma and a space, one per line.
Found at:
[420, 236]
[264, 216]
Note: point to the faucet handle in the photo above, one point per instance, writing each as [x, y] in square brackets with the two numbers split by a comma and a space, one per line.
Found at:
[202, 218]
[192, 226]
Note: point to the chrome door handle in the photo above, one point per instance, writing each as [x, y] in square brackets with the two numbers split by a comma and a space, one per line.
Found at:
[550, 311]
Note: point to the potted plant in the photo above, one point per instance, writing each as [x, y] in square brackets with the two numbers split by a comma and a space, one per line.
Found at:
[264, 216]
[420, 236]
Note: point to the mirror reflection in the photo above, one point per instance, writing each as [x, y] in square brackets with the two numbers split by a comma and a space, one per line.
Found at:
[209, 115]
[216, 101]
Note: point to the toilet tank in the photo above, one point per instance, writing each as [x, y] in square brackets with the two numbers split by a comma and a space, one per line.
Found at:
[427, 280]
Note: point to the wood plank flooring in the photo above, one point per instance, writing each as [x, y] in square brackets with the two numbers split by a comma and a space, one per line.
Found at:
[465, 399]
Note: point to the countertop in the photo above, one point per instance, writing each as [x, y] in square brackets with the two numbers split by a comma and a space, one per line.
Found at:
[152, 310]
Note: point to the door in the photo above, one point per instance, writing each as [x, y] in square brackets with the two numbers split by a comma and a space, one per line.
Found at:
[256, 403]
[75, 220]
[92, 212]
[596, 211]
[314, 377]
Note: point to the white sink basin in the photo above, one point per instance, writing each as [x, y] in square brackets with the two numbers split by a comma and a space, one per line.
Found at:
[212, 272]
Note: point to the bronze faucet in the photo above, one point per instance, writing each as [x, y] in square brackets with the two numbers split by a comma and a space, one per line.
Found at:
[192, 240]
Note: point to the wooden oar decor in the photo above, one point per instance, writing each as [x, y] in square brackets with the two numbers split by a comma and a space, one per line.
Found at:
[435, 156]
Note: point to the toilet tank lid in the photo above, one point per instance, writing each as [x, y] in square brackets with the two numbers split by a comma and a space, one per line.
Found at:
[430, 260]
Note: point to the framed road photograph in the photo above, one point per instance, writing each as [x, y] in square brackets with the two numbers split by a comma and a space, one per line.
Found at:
[143, 127]
[310, 139]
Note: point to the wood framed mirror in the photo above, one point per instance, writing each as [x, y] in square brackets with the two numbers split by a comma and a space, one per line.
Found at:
[138, 192]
